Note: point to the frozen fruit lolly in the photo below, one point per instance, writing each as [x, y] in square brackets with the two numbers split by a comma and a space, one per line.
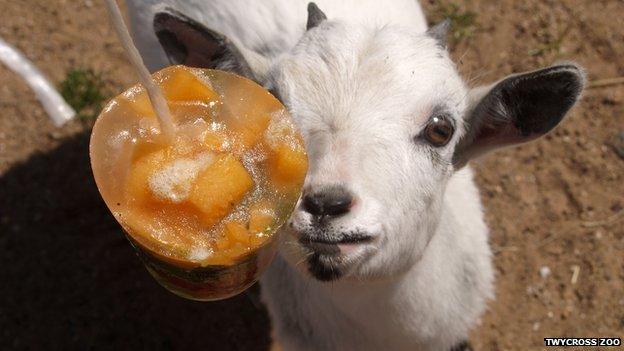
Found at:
[201, 186]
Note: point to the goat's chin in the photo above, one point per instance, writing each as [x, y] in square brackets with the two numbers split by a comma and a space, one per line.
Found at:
[328, 261]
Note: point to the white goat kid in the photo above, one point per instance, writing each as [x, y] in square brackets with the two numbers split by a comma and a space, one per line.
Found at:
[390, 214]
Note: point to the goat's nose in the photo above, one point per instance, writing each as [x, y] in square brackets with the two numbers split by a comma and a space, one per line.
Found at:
[329, 201]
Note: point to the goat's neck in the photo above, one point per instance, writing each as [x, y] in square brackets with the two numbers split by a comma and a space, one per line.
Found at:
[357, 311]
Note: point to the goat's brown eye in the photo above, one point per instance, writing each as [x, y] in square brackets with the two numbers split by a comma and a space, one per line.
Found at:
[439, 131]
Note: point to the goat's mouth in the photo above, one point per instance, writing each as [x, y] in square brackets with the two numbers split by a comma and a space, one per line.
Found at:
[341, 245]
[333, 257]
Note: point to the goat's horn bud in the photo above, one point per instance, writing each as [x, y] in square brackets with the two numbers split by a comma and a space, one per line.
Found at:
[315, 16]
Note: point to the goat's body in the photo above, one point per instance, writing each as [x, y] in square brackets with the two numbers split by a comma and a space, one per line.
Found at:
[429, 307]
[267, 27]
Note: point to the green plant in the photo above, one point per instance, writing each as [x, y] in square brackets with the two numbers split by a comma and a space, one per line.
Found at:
[463, 23]
[85, 91]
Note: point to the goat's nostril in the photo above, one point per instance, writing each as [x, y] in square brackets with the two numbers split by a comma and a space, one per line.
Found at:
[333, 201]
[338, 206]
[312, 204]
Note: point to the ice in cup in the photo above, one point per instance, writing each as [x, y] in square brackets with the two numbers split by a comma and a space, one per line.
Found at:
[202, 208]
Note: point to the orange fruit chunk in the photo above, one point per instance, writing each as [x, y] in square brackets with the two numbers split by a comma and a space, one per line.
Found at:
[137, 184]
[215, 140]
[182, 85]
[219, 188]
[237, 232]
[261, 216]
[237, 250]
[247, 112]
[287, 166]
[223, 243]
[249, 132]
[179, 86]
[145, 223]
[135, 103]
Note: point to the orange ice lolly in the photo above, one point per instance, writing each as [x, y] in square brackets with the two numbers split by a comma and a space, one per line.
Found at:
[201, 208]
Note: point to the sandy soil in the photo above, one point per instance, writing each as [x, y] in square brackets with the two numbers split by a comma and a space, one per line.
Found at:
[70, 280]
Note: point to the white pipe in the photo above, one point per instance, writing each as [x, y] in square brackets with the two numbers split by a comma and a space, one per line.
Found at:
[157, 99]
[54, 104]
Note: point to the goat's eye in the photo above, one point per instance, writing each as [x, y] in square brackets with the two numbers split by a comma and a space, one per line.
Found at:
[439, 130]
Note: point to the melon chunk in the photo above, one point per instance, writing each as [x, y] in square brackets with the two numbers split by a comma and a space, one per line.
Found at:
[287, 166]
[182, 85]
[237, 232]
[148, 228]
[261, 216]
[247, 112]
[139, 104]
[216, 141]
[250, 131]
[237, 250]
[137, 184]
[219, 188]
[223, 243]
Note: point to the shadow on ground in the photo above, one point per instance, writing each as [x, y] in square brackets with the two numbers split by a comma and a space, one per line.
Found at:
[69, 279]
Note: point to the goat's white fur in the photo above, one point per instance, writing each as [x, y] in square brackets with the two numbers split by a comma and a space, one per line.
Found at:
[371, 79]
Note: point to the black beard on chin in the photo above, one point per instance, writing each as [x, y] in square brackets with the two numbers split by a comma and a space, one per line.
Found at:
[324, 268]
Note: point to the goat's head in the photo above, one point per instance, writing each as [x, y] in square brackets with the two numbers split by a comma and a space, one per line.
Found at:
[387, 120]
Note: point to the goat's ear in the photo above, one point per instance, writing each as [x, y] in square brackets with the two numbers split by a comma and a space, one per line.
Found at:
[439, 32]
[315, 16]
[518, 109]
[190, 43]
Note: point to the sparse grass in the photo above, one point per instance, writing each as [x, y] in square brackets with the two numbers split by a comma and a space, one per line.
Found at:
[551, 44]
[463, 23]
[85, 91]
